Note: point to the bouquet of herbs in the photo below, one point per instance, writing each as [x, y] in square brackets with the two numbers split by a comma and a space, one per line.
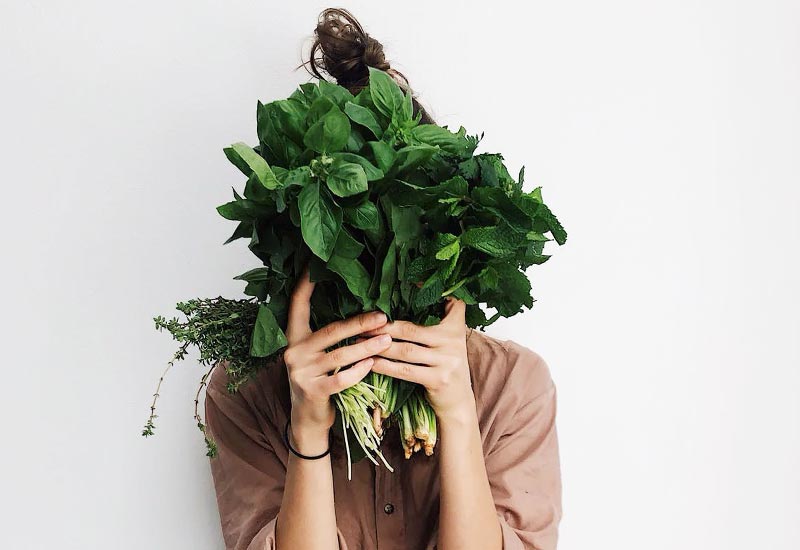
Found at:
[388, 214]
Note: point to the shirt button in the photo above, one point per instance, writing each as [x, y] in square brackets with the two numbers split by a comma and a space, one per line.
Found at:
[389, 508]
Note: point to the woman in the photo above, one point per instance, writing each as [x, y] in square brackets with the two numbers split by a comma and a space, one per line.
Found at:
[493, 482]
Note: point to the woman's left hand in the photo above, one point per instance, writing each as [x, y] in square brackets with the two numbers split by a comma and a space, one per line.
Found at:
[434, 356]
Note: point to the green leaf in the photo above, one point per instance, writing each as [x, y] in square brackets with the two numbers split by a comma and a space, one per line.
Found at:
[259, 274]
[329, 133]
[280, 127]
[355, 277]
[244, 229]
[320, 220]
[346, 246]
[488, 279]
[431, 320]
[463, 294]
[364, 117]
[513, 293]
[430, 293]
[454, 143]
[346, 178]
[421, 267]
[498, 202]
[412, 156]
[267, 337]
[475, 316]
[362, 216]
[384, 155]
[299, 176]
[355, 142]
[318, 109]
[388, 279]
[499, 241]
[242, 210]
[250, 162]
[373, 173]
[450, 249]
[559, 234]
[406, 224]
[386, 94]
[534, 236]
[338, 94]
[406, 110]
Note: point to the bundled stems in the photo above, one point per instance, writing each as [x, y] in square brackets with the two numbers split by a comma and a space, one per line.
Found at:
[417, 424]
[354, 404]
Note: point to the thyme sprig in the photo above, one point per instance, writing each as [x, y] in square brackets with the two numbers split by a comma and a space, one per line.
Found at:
[219, 328]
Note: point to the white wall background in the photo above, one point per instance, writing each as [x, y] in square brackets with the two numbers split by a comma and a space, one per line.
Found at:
[665, 134]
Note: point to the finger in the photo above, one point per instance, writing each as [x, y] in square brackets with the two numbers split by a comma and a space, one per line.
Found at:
[408, 331]
[339, 330]
[347, 377]
[300, 308]
[410, 353]
[455, 311]
[346, 355]
[404, 371]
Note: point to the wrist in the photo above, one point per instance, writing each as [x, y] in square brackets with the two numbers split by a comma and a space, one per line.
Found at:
[462, 415]
[308, 438]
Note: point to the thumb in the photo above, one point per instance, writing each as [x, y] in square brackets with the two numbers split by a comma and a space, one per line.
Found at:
[455, 310]
[299, 318]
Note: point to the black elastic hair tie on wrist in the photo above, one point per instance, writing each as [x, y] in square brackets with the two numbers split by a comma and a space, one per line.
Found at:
[294, 451]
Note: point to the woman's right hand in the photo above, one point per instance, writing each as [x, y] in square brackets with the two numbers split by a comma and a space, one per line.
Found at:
[309, 365]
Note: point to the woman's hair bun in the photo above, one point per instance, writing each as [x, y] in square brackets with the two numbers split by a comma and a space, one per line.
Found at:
[345, 51]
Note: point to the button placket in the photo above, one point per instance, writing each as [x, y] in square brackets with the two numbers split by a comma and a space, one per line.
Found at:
[389, 521]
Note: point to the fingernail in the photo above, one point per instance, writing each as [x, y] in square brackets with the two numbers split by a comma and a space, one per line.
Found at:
[384, 339]
[369, 361]
[379, 316]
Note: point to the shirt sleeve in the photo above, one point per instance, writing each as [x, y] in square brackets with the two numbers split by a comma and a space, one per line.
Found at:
[248, 473]
[523, 465]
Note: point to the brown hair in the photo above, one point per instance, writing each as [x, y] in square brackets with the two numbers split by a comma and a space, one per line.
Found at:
[344, 50]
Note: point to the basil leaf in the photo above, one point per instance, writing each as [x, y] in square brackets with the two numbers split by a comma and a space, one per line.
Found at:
[346, 178]
[329, 133]
[355, 277]
[250, 162]
[338, 94]
[364, 117]
[320, 220]
[388, 279]
[386, 94]
[384, 155]
[267, 337]
[362, 216]
[454, 143]
[412, 156]
[373, 173]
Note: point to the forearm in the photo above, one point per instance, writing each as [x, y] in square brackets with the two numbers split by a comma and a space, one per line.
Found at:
[467, 515]
[307, 518]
